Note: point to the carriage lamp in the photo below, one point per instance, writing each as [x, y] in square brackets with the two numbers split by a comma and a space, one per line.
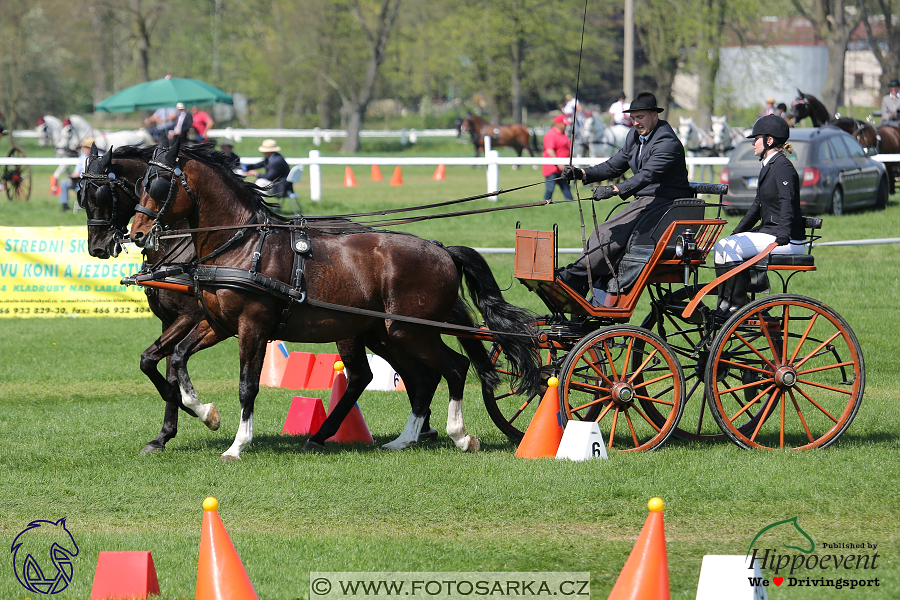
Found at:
[685, 245]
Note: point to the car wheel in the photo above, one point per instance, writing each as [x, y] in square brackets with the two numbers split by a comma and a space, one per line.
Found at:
[837, 201]
[881, 196]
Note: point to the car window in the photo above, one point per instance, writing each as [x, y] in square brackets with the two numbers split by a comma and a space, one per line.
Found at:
[744, 153]
[856, 150]
[838, 149]
[823, 154]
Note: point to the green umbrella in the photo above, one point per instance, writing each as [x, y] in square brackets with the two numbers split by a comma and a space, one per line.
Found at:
[163, 93]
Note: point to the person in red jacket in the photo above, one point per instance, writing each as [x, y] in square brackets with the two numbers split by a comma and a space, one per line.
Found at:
[556, 145]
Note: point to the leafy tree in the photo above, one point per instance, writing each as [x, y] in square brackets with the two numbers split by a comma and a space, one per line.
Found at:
[885, 45]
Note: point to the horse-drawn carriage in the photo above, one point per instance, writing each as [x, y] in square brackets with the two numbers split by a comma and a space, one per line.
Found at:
[15, 179]
[785, 371]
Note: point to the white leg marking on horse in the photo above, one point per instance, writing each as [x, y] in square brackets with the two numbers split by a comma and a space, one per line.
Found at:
[206, 412]
[242, 439]
[456, 429]
[409, 436]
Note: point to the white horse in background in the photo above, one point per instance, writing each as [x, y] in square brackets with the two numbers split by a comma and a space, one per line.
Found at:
[697, 143]
[603, 139]
[50, 132]
[726, 137]
[79, 128]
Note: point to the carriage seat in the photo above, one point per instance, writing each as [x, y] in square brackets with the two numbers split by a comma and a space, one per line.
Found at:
[647, 232]
[786, 261]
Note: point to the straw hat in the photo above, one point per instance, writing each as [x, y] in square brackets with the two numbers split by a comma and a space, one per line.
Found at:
[180, 106]
[87, 142]
[269, 146]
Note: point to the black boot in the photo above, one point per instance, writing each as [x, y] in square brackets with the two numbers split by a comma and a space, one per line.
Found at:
[732, 292]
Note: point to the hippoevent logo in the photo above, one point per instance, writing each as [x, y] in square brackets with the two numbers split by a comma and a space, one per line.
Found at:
[839, 565]
[42, 556]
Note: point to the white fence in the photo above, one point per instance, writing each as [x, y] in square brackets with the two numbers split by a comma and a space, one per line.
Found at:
[492, 161]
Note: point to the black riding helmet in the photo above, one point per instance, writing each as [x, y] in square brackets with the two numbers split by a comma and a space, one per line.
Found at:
[770, 126]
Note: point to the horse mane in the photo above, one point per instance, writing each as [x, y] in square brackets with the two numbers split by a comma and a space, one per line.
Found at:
[217, 161]
[144, 153]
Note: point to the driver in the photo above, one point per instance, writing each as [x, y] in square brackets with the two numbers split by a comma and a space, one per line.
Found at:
[656, 157]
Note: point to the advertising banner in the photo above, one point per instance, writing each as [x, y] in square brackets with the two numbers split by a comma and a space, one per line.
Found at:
[47, 272]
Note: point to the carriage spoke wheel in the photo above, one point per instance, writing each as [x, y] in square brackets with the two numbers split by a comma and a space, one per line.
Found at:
[803, 366]
[17, 178]
[511, 411]
[685, 339]
[611, 374]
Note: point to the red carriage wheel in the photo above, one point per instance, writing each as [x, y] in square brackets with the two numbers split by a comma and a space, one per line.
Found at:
[803, 366]
[607, 377]
[17, 178]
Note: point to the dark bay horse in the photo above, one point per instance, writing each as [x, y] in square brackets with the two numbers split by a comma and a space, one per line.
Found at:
[516, 136]
[109, 200]
[373, 274]
[107, 196]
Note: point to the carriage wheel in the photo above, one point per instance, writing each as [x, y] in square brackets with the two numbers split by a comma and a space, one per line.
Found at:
[609, 373]
[510, 411]
[17, 178]
[687, 341]
[803, 365]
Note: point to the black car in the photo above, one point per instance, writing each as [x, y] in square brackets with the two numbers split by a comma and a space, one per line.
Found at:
[835, 173]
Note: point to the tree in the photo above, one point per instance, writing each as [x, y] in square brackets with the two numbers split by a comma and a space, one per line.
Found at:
[885, 46]
[833, 23]
[665, 30]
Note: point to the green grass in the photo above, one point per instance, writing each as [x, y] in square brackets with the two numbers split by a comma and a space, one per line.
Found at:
[76, 411]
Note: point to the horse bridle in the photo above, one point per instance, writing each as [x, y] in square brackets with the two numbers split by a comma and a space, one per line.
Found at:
[105, 184]
[150, 183]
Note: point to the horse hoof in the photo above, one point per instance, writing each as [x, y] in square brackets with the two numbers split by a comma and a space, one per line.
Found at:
[151, 448]
[395, 447]
[428, 436]
[311, 446]
[229, 458]
[474, 445]
[213, 419]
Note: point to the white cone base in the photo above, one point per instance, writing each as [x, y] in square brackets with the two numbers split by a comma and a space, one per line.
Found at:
[581, 440]
[723, 576]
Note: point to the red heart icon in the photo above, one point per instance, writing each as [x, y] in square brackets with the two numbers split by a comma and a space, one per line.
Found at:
[778, 580]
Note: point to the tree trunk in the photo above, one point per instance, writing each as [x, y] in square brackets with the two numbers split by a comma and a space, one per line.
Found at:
[518, 51]
[833, 88]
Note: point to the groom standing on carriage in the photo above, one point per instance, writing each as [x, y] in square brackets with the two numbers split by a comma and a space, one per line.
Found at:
[655, 156]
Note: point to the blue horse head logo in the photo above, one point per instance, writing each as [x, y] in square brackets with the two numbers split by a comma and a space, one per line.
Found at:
[42, 556]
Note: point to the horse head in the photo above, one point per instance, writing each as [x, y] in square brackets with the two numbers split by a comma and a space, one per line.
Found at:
[69, 140]
[49, 130]
[685, 127]
[107, 195]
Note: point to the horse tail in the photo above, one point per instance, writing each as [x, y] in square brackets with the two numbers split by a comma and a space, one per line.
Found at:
[499, 316]
[474, 349]
[535, 147]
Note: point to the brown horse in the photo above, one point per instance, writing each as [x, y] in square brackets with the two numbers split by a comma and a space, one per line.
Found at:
[515, 136]
[107, 196]
[348, 288]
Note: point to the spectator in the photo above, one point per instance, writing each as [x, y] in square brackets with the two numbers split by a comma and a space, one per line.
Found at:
[231, 159]
[618, 112]
[575, 113]
[768, 109]
[160, 122]
[72, 182]
[890, 105]
[202, 122]
[781, 110]
[556, 145]
[276, 168]
[183, 123]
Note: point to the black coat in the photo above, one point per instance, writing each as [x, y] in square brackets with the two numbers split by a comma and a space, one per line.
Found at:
[777, 204]
[277, 171]
[662, 173]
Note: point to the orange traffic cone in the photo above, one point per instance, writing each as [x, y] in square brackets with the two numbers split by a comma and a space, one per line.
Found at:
[438, 173]
[220, 572]
[349, 179]
[354, 428]
[397, 177]
[645, 575]
[54, 186]
[542, 438]
[376, 173]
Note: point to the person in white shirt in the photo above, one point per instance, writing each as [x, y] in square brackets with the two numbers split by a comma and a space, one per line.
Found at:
[890, 105]
[72, 182]
[617, 114]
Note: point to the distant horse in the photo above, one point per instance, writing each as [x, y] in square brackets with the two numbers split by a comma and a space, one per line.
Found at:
[885, 139]
[697, 142]
[516, 136]
[603, 139]
[79, 129]
[253, 287]
[50, 132]
[726, 137]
